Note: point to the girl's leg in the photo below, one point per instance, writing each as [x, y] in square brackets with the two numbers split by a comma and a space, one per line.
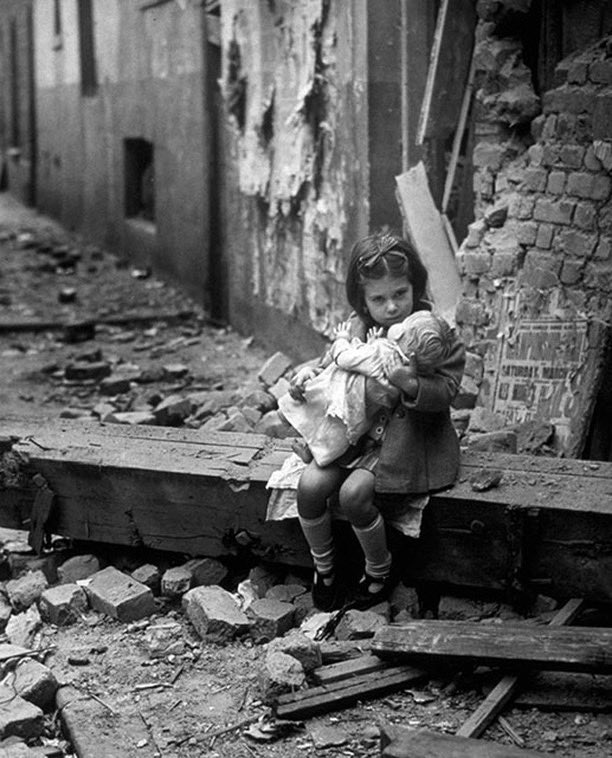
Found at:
[315, 486]
[357, 502]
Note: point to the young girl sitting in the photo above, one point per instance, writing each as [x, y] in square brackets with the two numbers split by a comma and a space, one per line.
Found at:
[409, 449]
[333, 412]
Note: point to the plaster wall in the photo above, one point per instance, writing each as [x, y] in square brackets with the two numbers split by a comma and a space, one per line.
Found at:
[294, 86]
[149, 66]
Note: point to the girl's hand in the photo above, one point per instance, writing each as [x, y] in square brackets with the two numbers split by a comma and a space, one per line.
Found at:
[404, 376]
[373, 334]
[297, 384]
[343, 330]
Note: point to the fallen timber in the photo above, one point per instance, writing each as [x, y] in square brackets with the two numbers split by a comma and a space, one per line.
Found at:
[545, 526]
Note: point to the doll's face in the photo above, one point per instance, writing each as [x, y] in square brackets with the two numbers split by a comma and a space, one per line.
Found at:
[389, 299]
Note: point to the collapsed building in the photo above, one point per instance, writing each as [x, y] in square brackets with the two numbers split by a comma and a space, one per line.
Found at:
[240, 148]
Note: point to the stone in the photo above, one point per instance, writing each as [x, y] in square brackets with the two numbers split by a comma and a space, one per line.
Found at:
[280, 673]
[269, 619]
[298, 646]
[149, 575]
[272, 370]
[26, 590]
[327, 736]
[80, 372]
[5, 612]
[63, 605]
[165, 639]
[252, 415]
[357, 625]
[214, 612]
[172, 411]
[493, 442]
[75, 413]
[484, 420]
[22, 628]
[235, 422]
[78, 567]
[273, 425]
[465, 609]
[36, 683]
[174, 371]
[119, 596]
[286, 593]
[205, 404]
[279, 388]
[206, 571]
[18, 717]
[258, 399]
[114, 385]
[176, 581]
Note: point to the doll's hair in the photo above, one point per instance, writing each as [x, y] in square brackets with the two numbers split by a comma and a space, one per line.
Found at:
[426, 335]
[379, 255]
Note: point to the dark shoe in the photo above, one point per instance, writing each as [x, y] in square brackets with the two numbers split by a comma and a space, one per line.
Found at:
[327, 597]
[366, 596]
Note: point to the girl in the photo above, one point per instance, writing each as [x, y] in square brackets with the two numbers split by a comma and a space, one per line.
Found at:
[409, 449]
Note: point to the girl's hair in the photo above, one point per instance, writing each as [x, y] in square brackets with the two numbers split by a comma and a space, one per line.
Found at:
[379, 255]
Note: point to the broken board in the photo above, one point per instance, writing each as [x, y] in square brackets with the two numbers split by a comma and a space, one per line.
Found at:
[520, 646]
[425, 227]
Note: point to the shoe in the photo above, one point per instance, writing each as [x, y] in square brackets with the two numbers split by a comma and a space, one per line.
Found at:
[366, 596]
[327, 597]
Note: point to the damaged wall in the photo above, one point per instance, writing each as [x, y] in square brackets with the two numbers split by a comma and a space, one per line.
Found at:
[536, 264]
[293, 81]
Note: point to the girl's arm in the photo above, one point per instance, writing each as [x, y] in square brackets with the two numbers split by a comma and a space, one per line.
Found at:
[431, 393]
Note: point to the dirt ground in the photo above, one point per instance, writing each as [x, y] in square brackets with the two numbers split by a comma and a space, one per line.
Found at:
[174, 705]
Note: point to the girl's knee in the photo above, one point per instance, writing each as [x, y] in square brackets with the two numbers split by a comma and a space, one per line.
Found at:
[357, 500]
[314, 487]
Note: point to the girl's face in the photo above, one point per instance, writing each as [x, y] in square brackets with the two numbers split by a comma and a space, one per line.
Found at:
[388, 300]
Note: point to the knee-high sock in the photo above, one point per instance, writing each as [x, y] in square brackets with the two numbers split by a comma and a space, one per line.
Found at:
[318, 533]
[373, 541]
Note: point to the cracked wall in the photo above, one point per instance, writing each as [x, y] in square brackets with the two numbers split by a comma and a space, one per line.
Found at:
[293, 85]
[536, 264]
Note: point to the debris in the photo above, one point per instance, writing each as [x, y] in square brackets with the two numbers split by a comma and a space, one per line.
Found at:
[267, 728]
[214, 612]
[486, 479]
[78, 567]
[119, 596]
[63, 604]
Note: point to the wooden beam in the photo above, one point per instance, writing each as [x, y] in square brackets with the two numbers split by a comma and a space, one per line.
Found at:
[341, 694]
[549, 521]
[401, 742]
[505, 690]
[508, 645]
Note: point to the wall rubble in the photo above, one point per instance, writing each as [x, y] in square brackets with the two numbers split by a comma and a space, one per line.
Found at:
[536, 265]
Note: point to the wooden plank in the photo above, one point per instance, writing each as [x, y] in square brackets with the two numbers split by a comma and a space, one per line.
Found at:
[548, 691]
[425, 228]
[325, 698]
[509, 685]
[507, 645]
[401, 742]
[335, 672]
[448, 69]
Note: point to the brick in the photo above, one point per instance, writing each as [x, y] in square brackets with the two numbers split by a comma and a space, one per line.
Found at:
[471, 312]
[591, 161]
[149, 575]
[488, 155]
[476, 231]
[536, 153]
[131, 418]
[556, 183]
[36, 683]
[549, 128]
[503, 264]
[26, 590]
[272, 370]
[591, 186]
[298, 646]
[577, 244]
[537, 126]
[269, 619]
[206, 571]
[281, 673]
[583, 130]
[114, 385]
[566, 125]
[571, 272]
[214, 612]
[176, 581]
[63, 604]
[603, 249]
[571, 155]
[165, 639]
[81, 371]
[577, 72]
[525, 208]
[112, 592]
[554, 212]
[545, 236]
[602, 116]
[541, 270]
[493, 442]
[526, 232]
[600, 72]
[22, 628]
[18, 717]
[476, 263]
[172, 410]
[603, 153]
[598, 275]
[550, 155]
[585, 216]
[78, 567]
[535, 179]
[567, 98]
[359, 625]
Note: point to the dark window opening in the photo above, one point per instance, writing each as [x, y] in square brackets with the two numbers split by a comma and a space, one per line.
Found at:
[139, 179]
[14, 86]
[57, 18]
[89, 76]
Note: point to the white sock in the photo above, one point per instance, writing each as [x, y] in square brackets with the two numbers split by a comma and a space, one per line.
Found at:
[318, 533]
[373, 541]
